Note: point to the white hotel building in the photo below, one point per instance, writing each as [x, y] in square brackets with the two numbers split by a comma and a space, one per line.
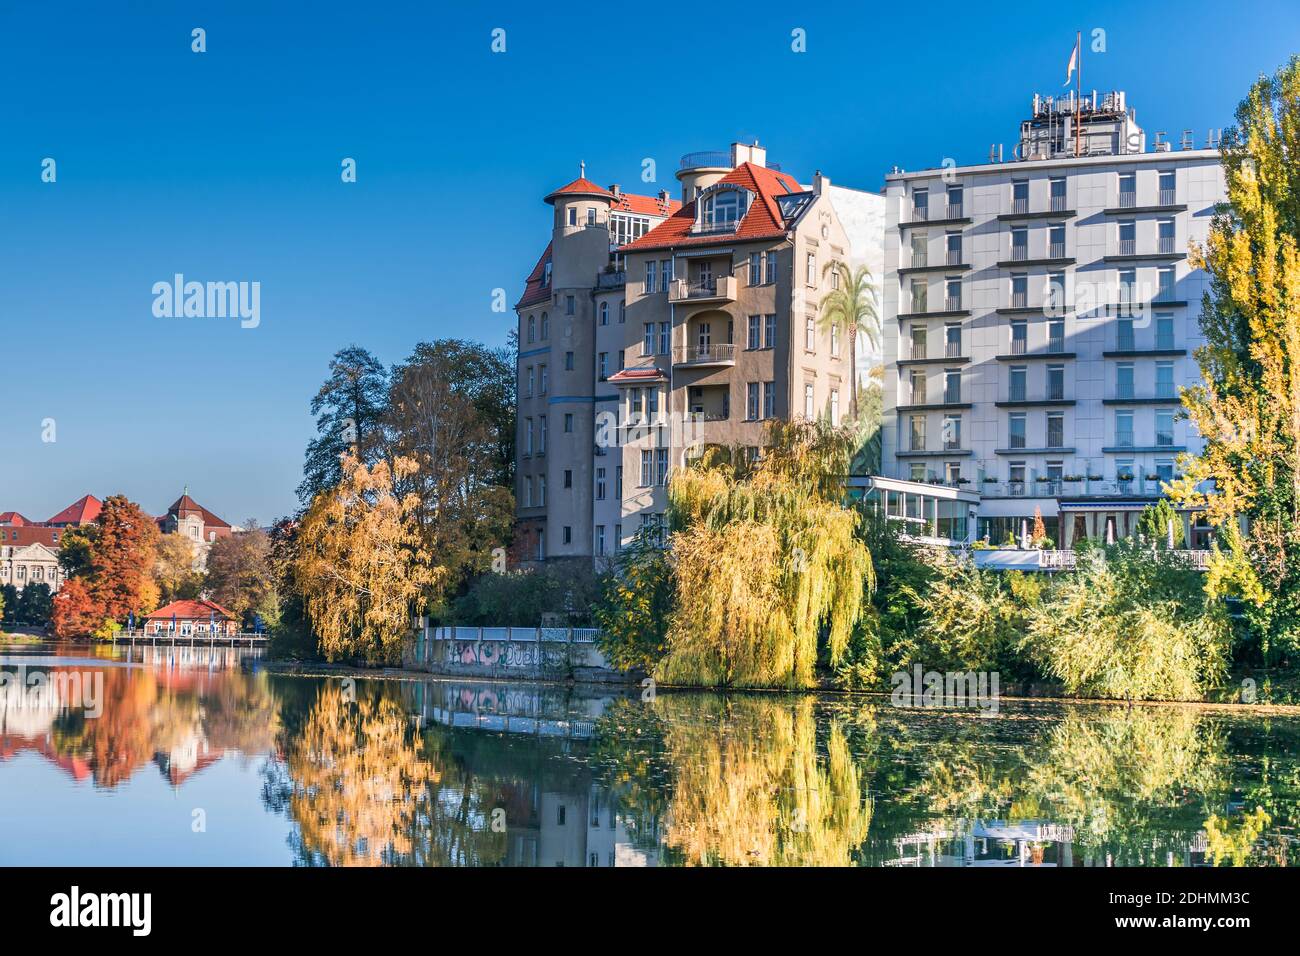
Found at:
[1039, 317]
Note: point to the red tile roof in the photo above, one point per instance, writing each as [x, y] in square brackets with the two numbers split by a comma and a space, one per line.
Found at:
[534, 289]
[580, 187]
[646, 205]
[762, 221]
[20, 537]
[629, 376]
[185, 505]
[82, 511]
[190, 611]
[13, 518]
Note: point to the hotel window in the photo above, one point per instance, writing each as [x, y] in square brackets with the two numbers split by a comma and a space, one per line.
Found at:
[600, 484]
[568, 478]
[809, 334]
[1056, 242]
[769, 275]
[835, 341]
[920, 290]
[916, 432]
[1124, 429]
[835, 407]
[1164, 426]
[920, 205]
[952, 295]
[755, 268]
[1127, 190]
[1165, 469]
[661, 466]
[604, 313]
[917, 381]
[918, 334]
[1019, 243]
[1124, 335]
[769, 399]
[1057, 187]
[568, 422]
[1016, 383]
[952, 385]
[532, 329]
[543, 379]
[1124, 380]
[532, 378]
[665, 337]
[952, 340]
[1019, 291]
[1164, 379]
[1056, 335]
[604, 366]
[1020, 196]
[568, 361]
[811, 277]
[1165, 233]
[769, 331]
[1019, 337]
[1164, 331]
[666, 273]
[650, 268]
[546, 326]
[1165, 284]
[1168, 192]
[541, 445]
[1056, 430]
[755, 332]
[1056, 382]
[647, 467]
[1016, 429]
[954, 202]
[648, 339]
[951, 432]
[952, 243]
[751, 401]
[809, 409]
[600, 540]
[1127, 237]
[920, 247]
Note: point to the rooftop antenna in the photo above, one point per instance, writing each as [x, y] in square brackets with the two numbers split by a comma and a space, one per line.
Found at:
[582, 169]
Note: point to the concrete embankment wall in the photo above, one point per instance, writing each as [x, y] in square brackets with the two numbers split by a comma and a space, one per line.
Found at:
[549, 653]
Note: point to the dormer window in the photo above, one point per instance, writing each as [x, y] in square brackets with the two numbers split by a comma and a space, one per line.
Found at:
[546, 273]
[721, 209]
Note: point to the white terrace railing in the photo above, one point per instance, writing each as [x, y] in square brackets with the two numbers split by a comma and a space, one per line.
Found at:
[1049, 560]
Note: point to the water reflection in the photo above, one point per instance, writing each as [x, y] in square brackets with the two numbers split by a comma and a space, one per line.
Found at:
[323, 772]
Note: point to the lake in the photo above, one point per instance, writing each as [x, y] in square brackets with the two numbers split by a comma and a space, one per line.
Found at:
[194, 756]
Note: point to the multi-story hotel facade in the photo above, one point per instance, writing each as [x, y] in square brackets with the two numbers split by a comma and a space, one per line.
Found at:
[652, 328]
[1039, 319]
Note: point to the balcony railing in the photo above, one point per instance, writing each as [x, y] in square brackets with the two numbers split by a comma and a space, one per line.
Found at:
[954, 211]
[1056, 343]
[1015, 393]
[1168, 197]
[698, 354]
[1166, 245]
[1056, 250]
[952, 396]
[1019, 300]
[722, 287]
[954, 257]
[920, 259]
[952, 303]
[1019, 253]
[1127, 247]
[920, 213]
[1020, 206]
[1058, 204]
[611, 280]
[952, 350]
[1018, 346]
[1127, 199]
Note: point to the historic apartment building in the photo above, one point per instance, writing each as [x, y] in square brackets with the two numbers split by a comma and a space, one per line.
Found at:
[1039, 319]
[653, 327]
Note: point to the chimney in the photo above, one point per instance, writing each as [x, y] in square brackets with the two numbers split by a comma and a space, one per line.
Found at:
[748, 153]
[820, 183]
[613, 187]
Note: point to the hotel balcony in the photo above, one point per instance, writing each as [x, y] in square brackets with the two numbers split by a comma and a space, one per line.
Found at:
[721, 289]
[703, 356]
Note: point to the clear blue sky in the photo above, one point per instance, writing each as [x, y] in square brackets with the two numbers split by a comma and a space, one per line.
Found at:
[225, 166]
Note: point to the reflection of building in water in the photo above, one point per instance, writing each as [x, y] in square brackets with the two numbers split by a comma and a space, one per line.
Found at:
[556, 814]
[1028, 843]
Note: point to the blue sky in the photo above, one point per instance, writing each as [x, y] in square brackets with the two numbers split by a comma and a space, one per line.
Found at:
[225, 165]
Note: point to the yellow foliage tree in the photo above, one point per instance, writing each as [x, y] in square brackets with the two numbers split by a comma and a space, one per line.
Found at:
[360, 565]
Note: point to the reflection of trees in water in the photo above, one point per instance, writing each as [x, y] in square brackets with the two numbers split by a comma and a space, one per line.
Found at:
[364, 789]
[746, 782]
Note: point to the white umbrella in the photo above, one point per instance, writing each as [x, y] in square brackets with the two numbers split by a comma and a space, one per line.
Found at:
[1171, 534]
[1110, 532]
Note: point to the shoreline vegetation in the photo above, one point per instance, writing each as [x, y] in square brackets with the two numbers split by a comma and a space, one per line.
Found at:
[764, 574]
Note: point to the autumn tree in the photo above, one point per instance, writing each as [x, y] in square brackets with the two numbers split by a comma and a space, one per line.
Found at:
[360, 566]
[112, 566]
[174, 570]
[240, 577]
[348, 408]
[1248, 409]
[768, 569]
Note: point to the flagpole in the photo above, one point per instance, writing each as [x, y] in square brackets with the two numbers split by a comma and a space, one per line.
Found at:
[1078, 97]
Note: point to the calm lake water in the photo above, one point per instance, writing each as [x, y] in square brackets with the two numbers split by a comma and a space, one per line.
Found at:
[182, 757]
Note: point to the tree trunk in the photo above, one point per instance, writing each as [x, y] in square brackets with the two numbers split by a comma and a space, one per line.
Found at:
[853, 373]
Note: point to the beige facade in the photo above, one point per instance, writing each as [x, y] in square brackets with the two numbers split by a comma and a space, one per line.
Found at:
[694, 334]
[30, 564]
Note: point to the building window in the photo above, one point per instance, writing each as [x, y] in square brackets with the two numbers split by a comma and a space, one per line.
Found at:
[1057, 187]
[528, 440]
[650, 268]
[1055, 382]
[916, 432]
[1056, 335]
[568, 539]
[952, 472]
[952, 242]
[755, 268]
[543, 379]
[600, 484]
[1055, 430]
[542, 444]
[541, 491]
[835, 341]
[920, 291]
[1056, 242]
[622, 311]
[951, 432]
[1164, 426]
[1019, 291]
[647, 464]
[920, 205]
[532, 329]
[600, 540]
[809, 334]
[1164, 379]
[769, 399]
[916, 378]
[546, 326]
[1127, 237]
[769, 331]
[835, 407]
[1016, 383]
[1164, 332]
[920, 249]
[952, 385]
[665, 273]
[573, 215]
[1019, 243]
[661, 466]
[1168, 192]
[604, 313]
[568, 361]
[755, 332]
[751, 401]
[1020, 196]
[568, 422]
[604, 366]
[954, 202]
[952, 295]
[769, 271]
[1016, 430]
[811, 277]
[648, 339]
[918, 334]
[1124, 380]
[1165, 236]
[665, 337]
[568, 478]
[532, 377]
[1124, 429]
[809, 408]
[591, 215]
[1019, 337]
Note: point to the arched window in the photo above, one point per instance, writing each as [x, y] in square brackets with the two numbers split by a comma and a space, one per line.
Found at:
[604, 313]
[532, 329]
[546, 326]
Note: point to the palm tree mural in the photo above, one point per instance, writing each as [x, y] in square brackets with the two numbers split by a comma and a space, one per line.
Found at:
[850, 306]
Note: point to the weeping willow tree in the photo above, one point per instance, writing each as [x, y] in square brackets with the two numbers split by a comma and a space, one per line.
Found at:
[764, 564]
